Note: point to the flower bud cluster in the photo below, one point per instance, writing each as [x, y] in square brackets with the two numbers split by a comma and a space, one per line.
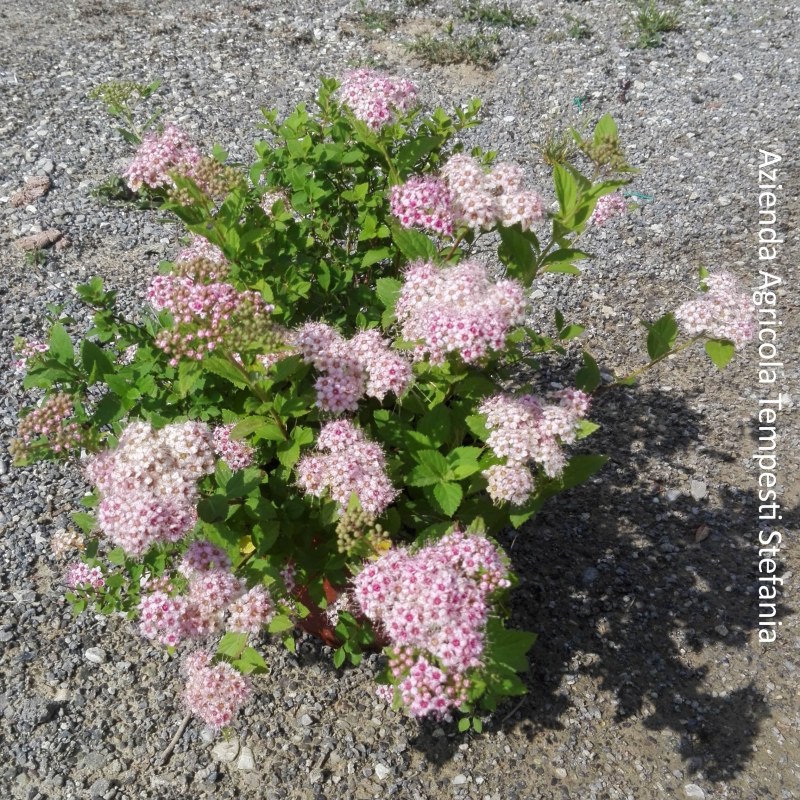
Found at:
[214, 692]
[158, 156]
[53, 421]
[375, 98]
[346, 463]
[526, 428]
[608, 206]
[725, 311]
[457, 309]
[433, 605]
[209, 316]
[351, 368]
[200, 247]
[236, 453]
[148, 483]
[65, 539]
[357, 533]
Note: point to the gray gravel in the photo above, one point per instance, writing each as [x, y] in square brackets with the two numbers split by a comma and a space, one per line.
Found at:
[647, 679]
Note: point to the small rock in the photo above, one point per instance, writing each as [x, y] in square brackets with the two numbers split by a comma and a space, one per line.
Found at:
[694, 792]
[99, 787]
[698, 489]
[703, 57]
[38, 241]
[382, 771]
[561, 773]
[459, 780]
[721, 630]
[225, 751]
[306, 720]
[589, 576]
[738, 77]
[673, 495]
[246, 760]
[34, 189]
[208, 735]
[96, 655]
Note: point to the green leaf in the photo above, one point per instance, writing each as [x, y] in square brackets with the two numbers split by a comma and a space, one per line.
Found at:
[508, 648]
[566, 189]
[605, 129]
[586, 428]
[477, 725]
[570, 332]
[436, 425]
[579, 469]
[247, 426]
[280, 623]
[213, 509]
[517, 253]
[720, 351]
[251, 661]
[95, 362]
[86, 522]
[222, 367]
[374, 256]
[463, 724]
[588, 376]
[232, 645]
[60, 345]
[661, 336]
[565, 269]
[446, 496]
[413, 244]
[339, 657]
[434, 461]
[388, 290]
[116, 556]
[421, 476]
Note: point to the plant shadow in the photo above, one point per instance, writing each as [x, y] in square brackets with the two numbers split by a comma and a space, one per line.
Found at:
[623, 581]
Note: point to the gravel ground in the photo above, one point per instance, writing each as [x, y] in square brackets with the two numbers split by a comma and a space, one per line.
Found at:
[648, 679]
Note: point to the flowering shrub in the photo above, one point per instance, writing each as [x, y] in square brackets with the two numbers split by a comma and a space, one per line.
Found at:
[319, 397]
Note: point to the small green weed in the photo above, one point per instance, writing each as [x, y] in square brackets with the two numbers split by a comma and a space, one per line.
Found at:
[376, 20]
[481, 50]
[501, 16]
[557, 148]
[651, 23]
[36, 257]
[579, 28]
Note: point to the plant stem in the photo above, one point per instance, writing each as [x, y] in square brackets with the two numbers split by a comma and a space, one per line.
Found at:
[641, 370]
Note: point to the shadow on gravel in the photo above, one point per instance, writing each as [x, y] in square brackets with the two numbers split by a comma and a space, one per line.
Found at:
[616, 585]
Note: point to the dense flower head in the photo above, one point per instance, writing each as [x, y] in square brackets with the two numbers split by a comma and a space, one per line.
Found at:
[200, 247]
[435, 600]
[148, 483]
[351, 465]
[202, 556]
[53, 420]
[236, 453]
[82, 576]
[160, 155]
[250, 612]
[458, 309]
[207, 316]
[423, 202]
[608, 206]
[425, 689]
[163, 618]
[375, 98]
[527, 428]
[725, 311]
[208, 597]
[351, 368]
[214, 692]
[509, 483]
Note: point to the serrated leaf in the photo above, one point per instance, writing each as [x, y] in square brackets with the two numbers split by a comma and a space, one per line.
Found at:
[86, 522]
[433, 461]
[566, 189]
[280, 623]
[339, 657]
[222, 367]
[586, 428]
[570, 332]
[447, 496]
[421, 476]
[436, 425]
[588, 376]
[232, 644]
[565, 269]
[605, 129]
[661, 336]
[375, 256]
[413, 244]
[388, 290]
[720, 351]
[60, 345]
[517, 253]
[95, 362]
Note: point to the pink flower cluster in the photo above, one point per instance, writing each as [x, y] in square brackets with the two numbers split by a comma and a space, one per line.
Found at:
[464, 194]
[423, 202]
[351, 465]
[158, 156]
[215, 599]
[28, 350]
[725, 311]
[458, 309]
[214, 692]
[52, 420]
[351, 368]
[608, 206]
[433, 604]
[206, 316]
[526, 428]
[200, 247]
[148, 483]
[81, 576]
[236, 453]
[375, 98]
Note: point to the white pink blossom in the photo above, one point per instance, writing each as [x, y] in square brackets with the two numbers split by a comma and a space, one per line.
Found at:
[376, 98]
